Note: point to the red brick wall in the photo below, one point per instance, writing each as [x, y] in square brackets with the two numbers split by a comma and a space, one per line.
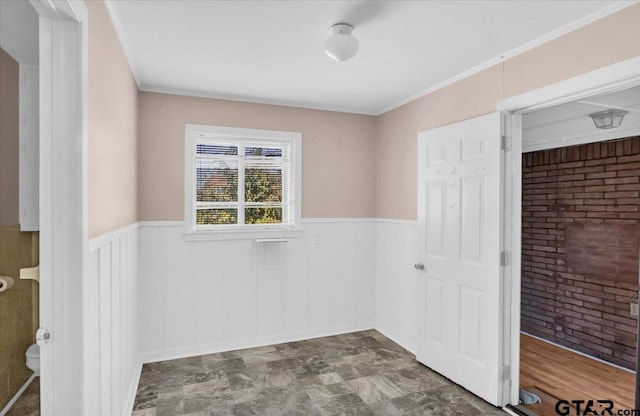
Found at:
[580, 243]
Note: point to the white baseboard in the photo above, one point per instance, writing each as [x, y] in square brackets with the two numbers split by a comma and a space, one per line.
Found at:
[127, 410]
[398, 340]
[15, 398]
[252, 342]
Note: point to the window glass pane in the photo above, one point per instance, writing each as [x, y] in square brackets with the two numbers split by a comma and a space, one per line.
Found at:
[263, 215]
[216, 216]
[216, 181]
[215, 149]
[263, 151]
[263, 185]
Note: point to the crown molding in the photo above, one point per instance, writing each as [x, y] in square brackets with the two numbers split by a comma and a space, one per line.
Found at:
[554, 34]
[577, 24]
[254, 100]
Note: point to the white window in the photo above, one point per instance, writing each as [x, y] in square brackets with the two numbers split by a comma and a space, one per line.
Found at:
[241, 183]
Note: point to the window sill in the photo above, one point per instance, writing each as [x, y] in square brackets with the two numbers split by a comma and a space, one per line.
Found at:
[242, 234]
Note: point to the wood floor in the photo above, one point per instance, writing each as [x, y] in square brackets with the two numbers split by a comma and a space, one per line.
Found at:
[570, 376]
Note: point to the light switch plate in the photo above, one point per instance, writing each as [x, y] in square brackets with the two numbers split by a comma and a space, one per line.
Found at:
[633, 309]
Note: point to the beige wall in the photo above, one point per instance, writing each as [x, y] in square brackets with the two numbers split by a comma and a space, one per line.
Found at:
[371, 168]
[113, 106]
[9, 139]
[609, 40]
[338, 153]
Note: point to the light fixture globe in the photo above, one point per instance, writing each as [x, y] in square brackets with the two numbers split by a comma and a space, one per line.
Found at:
[341, 45]
[608, 119]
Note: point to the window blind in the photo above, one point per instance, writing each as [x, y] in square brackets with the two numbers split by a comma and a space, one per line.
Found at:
[242, 183]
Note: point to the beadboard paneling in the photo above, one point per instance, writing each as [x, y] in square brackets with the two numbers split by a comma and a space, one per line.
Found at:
[111, 333]
[398, 284]
[206, 296]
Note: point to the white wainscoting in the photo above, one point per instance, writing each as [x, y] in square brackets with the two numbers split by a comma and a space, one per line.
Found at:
[397, 282]
[112, 366]
[197, 297]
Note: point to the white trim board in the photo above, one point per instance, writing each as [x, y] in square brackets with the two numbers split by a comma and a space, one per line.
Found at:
[509, 412]
[395, 221]
[103, 239]
[63, 96]
[339, 220]
[253, 100]
[619, 76]
[365, 220]
[16, 396]
[161, 223]
[578, 352]
[611, 78]
[252, 342]
[130, 400]
[577, 24]
[403, 343]
[614, 7]
[611, 134]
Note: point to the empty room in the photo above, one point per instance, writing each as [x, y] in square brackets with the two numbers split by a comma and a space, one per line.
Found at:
[318, 207]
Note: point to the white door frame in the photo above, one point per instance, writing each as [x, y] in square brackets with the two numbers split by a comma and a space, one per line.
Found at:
[612, 78]
[63, 201]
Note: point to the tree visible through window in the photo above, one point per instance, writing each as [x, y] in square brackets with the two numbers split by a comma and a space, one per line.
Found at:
[238, 183]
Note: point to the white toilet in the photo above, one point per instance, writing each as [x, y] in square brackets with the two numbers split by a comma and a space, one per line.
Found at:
[33, 358]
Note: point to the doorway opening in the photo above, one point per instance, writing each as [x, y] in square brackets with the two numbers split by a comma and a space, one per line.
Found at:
[580, 239]
[60, 134]
[19, 218]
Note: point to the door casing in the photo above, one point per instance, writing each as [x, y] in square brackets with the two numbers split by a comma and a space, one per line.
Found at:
[623, 75]
[63, 44]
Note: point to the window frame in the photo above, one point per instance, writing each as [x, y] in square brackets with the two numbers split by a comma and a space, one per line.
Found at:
[195, 133]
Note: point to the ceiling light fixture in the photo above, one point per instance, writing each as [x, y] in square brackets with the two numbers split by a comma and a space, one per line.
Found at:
[341, 45]
[608, 119]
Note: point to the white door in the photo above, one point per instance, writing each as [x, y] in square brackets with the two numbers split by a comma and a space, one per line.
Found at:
[459, 241]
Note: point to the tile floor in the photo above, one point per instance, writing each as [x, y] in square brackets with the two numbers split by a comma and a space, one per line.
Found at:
[28, 404]
[362, 373]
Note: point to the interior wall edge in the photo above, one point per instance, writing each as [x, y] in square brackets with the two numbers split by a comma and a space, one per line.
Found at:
[127, 408]
[404, 343]
[112, 186]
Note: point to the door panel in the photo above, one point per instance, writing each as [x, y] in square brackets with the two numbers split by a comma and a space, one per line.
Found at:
[435, 217]
[435, 298]
[472, 219]
[470, 323]
[459, 229]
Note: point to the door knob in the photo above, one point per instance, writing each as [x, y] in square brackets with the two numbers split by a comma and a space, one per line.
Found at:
[418, 266]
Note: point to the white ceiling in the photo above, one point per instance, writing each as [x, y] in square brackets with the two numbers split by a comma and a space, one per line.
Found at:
[570, 124]
[272, 51]
[19, 31]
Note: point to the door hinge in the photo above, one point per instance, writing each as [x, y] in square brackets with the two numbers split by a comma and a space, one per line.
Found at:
[505, 143]
[505, 373]
[43, 336]
[505, 258]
